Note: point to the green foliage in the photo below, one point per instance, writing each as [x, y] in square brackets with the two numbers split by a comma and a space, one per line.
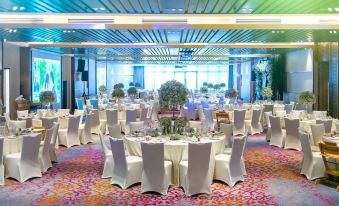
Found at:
[179, 124]
[166, 124]
[118, 93]
[210, 86]
[153, 132]
[216, 86]
[222, 85]
[231, 93]
[205, 84]
[204, 90]
[172, 94]
[102, 88]
[131, 84]
[175, 137]
[266, 92]
[307, 97]
[137, 85]
[119, 85]
[47, 97]
[132, 91]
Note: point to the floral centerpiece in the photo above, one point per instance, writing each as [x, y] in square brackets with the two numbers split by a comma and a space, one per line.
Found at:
[118, 93]
[210, 86]
[47, 98]
[204, 90]
[172, 95]
[307, 97]
[153, 132]
[166, 124]
[231, 93]
[132, 92]
[267, 92]
[175, 137]
[180, 124]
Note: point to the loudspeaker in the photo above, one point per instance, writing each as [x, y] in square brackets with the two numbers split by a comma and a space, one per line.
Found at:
[64, 94]
[84, 76]
[81, 65]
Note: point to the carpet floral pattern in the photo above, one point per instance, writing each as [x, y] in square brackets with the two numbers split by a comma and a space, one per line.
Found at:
[272, 179]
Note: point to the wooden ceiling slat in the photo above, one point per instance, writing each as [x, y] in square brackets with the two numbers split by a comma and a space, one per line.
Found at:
[123, 6]
[223, 6]
[106, 6]
[87, 6]
[187, 6]
[214, 6]
[150, 6]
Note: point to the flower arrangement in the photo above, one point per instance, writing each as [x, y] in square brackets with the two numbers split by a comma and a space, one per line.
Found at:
[137, 85]
[119, 85]
[216, 86]
[131, 84]
[231, 93]
[102, 89]
[47, 97]
[172, 95]
[153, 132]
[307, 97]
[166, 124]
[175, 137]
[210, 86]
[222, 85]
[179, 124]
[205, 84]
[266, 92]
[118, 93]
[132, 91]
[204, 90]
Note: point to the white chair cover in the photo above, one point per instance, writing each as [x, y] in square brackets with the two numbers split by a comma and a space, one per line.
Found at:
[127, 170]
[143, 114]
[318, 131]
[157, 173]
[196, 174]
[239, 122]
[254, 125]
[312, 165]
[292, 139]
[327, 124]
[281, 113]
[201, 114]
[267, 108]
[63, 111]
[288, 108]
[86, 134]
[208, 113]
[2, 170]
[70, 136]
[277, 133]
[114, 131]
[112, 117]
[108, 165]
[229, 168]
[196, 125]
[25, 165]
[21, 114]
[131, 116]
[268, 123]
[96, 122]
[44, 157]
[54, 143]
[337, 127]
[48, 121]
[227, 129]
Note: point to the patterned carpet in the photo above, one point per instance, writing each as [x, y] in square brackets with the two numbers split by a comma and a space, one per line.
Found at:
[273, 179]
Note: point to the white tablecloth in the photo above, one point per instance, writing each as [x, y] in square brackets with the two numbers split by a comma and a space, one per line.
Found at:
[176, 151]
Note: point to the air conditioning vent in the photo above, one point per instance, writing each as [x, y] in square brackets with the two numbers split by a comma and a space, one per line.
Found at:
[91, 21]
[164, 21]
[258, 21]
[21, 20]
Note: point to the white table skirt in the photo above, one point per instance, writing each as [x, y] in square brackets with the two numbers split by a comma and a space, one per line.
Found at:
[176, 151]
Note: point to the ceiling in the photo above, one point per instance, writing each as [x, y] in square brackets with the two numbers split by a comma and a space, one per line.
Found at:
[170, 35]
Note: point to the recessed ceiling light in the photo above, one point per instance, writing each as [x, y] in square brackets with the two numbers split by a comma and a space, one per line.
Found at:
[14, 30]
[337, 9]
[330, 32]
[182, 9]
[96, 9]
[14, 8]
[335, 32]
[102, 9]
[21, 8]
[5, 40]
[329, 9]
[250, 9]
[273, 32]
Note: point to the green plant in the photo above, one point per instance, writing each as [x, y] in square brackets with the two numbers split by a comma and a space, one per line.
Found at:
[102, 88]
[222, 85]
[137, 85]
[118, 93]
[179, 124]
[153, 132]
[216, 86]
[172, 95]
[210, 86]
[132, 91]
[307, 97]
[175, 137]
[266, 92]
[131, 84]
[119, 85]
[47, 97]
[231, 93]
[166, 124]
[205, 84]
[204, 90]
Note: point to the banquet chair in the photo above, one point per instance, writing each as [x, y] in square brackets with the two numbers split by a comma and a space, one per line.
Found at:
[209, 119]
[112, 118]
[239, 122]
[44, 157]
[143, 114]
[312, 165]
[63, 111]
[25, 164]
[330, 155]
[156, 173]
[47, 122]
[229, 168]
[299, 106]
[288, 108]
[227, 129]
[114, 131]
[85, 130]
[155, 110]
[2, 170]
[318, 131]
[127, 170]
[292, 139]
[96, 126]
[54, 143]
[268, 132]
[254, 125]
[14, 124]
[136, 127]
[21, 114]
[327, 124]
[266, 108]
[108, 165]
[70, 136]
[277, 133]
[337, 127]
[281, 113]
[131, 116]
[196, 174]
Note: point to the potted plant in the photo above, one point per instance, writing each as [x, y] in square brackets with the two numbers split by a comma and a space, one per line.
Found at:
[307, 98]
[204, 90]
[216, 87]
[172, 95]
[231, 94]
[180, 124]
[131, 84]
[166, 124]
[137, 85]
[132, 92]
[119, 85]
[210, 86]
[222, 85]
[266, 93]
[118, 93]
[205, 84]
[102, 90]
[47, 98]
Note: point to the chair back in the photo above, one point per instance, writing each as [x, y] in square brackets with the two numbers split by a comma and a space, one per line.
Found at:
[63, 111]
[288, 108]
[21, 114]
[237, 152]
[73, 126]
[256, 116]
[319, 114]
[239, 118]
[318, 131]
[227, 129]
[104, 146]
[337, 127]
[267, 118]
[112, 116]
[275, 125]
[329, 153]
[305, 145]
[94, 103]
[88, 124]
[199, 157]
[268, 108]
[153, 165]
[80, 103]
[47, 141]
[55, 134]
[143, 114]
[190, 114]
[30, 149]
[136, 126]
[327, 124]
[114, 130]
[47, 122]
[96, 119]
[280, 113]
[292, 132]
[1, 151]
[119, 158]
[149, 112]
[299, 106]
[131, 116]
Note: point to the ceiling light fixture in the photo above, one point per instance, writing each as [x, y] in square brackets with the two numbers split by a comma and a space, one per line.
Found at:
[14, 8]
[102, 9]
[337, 9]
[330, 9]
[21, 8]
[96, 9]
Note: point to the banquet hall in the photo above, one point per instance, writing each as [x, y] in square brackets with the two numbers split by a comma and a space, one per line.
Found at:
[169, 102]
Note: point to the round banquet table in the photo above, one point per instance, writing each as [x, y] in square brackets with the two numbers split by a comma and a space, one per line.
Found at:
[176, 151]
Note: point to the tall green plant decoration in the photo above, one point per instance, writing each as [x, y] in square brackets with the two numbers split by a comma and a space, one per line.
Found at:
[263, 76]
[172, 95]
